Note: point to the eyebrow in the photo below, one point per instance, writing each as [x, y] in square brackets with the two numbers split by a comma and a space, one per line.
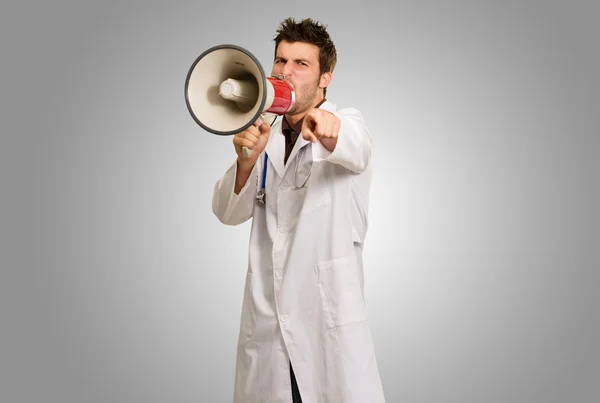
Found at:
[296, 60]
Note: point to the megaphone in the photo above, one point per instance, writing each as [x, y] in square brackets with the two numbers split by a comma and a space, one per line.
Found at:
[227, 91]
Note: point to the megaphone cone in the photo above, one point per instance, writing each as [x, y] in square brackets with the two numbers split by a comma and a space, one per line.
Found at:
[226, 90]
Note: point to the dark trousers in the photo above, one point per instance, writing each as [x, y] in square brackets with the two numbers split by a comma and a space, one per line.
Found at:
[295, 392]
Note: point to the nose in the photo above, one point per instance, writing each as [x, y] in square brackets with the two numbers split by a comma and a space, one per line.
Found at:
[287, 69]
[284, 70]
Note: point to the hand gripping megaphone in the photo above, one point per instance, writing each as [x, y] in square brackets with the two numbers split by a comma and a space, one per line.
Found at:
[227, 90]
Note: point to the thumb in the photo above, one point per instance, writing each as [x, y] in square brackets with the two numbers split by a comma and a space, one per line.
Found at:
[265, 132]
[264, 128]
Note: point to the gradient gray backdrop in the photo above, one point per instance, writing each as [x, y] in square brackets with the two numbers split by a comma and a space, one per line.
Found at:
[482, 266]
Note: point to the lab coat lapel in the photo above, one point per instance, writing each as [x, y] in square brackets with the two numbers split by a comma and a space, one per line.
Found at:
[276, 148]
[300, 142]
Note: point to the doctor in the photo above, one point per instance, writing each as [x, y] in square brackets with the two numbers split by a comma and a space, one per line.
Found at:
[304, 332]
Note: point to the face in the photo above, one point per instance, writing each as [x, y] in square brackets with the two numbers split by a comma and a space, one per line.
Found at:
[298, 62]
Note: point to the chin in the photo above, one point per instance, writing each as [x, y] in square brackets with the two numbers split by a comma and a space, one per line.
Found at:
[296, 109]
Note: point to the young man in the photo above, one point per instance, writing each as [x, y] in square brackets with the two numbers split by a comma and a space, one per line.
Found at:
[304, 334]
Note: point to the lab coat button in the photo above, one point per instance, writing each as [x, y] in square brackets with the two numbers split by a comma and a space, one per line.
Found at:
[278, 273]
[283, 317]
[284, 185]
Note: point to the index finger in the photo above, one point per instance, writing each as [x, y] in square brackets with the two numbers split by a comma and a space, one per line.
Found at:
[308, 134]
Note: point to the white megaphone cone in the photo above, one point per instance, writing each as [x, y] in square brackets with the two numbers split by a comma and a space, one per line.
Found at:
[227, 91]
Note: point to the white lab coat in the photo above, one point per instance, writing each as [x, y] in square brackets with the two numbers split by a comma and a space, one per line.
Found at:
[304, 290]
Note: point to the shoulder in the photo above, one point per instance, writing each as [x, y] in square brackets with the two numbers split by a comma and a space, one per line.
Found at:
[348, 111]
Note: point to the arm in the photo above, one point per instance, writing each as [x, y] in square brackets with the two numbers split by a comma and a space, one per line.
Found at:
[233, 194]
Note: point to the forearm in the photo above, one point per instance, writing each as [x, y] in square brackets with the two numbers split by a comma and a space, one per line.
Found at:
[243, 172]
[329, 143]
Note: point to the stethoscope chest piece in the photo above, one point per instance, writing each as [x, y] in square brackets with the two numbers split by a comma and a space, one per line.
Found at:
[260, 196]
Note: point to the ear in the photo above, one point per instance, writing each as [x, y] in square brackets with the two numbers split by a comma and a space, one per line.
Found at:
[325, 80]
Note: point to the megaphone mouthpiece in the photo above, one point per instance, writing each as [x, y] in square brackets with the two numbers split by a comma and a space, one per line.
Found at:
[239, 91]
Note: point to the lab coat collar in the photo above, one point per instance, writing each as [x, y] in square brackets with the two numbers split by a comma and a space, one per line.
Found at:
[276, 146]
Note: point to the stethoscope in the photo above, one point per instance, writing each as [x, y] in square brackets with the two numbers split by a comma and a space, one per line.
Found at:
[260, 195]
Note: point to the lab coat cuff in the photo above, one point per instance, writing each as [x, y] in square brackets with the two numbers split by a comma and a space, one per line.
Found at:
[229, 187]
[319, 152]
[230, 208]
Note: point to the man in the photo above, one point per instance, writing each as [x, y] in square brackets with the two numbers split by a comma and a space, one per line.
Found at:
[304, 334]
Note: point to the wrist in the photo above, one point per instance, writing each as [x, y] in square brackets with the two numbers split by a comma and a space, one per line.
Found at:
[245, 165]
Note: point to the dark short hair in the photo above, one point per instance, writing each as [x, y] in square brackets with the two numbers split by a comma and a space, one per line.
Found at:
[313, 32]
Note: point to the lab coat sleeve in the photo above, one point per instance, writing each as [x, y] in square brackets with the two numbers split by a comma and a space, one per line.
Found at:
[231, 208]
[353, 147]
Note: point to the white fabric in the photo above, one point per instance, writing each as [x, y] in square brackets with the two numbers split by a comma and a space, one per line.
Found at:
[304, 291]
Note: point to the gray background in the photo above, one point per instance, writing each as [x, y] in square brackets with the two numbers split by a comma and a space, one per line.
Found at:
[482, 264]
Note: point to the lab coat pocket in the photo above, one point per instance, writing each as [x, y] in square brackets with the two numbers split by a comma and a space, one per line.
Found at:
[340, 290]
[247, 317]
